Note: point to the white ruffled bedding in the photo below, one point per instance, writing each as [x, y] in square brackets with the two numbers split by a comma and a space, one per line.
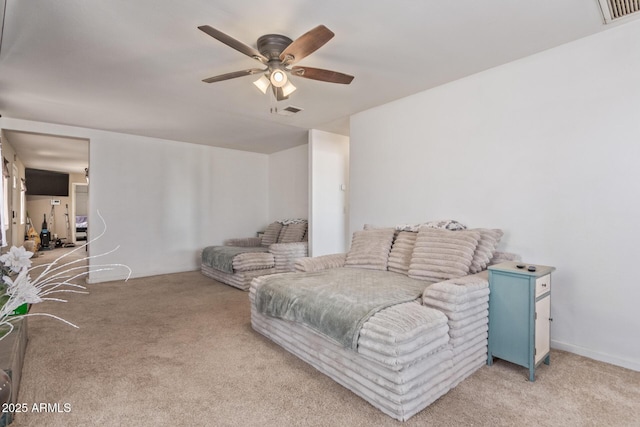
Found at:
[82, 221]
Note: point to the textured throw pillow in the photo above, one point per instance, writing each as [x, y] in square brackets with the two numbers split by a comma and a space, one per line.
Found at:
[377, 227]
[489, 239]
[271, 234]
[293, 232]
[281, 234]
[401, 251]
[442, 254]
[292, 221]
[370, 249]
[447, 224]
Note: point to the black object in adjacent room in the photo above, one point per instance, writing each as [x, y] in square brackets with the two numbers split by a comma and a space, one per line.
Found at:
[45, 236]
[46, 183]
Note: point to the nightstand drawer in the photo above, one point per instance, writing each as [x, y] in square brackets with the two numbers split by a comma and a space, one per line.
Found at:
[543, 285]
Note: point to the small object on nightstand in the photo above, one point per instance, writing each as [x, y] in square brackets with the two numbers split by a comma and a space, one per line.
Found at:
[520, 314]
[520, 266]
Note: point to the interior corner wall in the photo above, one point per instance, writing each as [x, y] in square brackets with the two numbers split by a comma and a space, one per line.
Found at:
[329, 189]
[163, 201]
[289, 183]
[545, 148]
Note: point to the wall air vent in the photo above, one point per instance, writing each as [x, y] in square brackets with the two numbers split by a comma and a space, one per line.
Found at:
[613, 10]
[287, 111]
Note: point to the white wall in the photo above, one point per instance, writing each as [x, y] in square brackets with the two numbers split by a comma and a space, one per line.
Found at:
[545, 148]
[16, 229]
[329, 163]
[163, 201]
[289, 183]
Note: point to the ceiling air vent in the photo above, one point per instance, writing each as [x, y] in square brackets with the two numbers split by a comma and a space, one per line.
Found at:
[613, 10]
[288, 111]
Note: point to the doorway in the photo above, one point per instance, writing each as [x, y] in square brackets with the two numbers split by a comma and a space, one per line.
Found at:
[79, 215]
[53, 154]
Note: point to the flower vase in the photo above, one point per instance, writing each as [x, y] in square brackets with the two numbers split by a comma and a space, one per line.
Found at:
[5, 387]
[5, 397]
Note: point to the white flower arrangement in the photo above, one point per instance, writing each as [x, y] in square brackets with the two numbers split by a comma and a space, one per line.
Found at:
[55, 278]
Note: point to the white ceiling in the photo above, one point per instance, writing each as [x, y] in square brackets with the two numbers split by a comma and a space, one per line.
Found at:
[48, 152]
[136, 66]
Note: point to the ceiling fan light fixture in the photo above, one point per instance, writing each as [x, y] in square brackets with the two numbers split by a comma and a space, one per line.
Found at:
[262, 83]
[278, 78]
[288, 88]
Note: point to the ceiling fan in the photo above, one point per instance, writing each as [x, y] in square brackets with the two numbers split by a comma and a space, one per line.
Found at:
[279, 53]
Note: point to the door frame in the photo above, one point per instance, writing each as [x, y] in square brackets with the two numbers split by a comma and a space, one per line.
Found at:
[72, 210]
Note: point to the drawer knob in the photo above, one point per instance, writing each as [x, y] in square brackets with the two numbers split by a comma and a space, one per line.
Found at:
[544, 285]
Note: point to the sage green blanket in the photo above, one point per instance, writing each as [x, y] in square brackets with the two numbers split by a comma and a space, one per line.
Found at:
[221, 257]
[335, 302]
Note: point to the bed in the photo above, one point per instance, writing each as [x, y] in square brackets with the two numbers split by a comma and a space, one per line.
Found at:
[424, 332]
[82, 223]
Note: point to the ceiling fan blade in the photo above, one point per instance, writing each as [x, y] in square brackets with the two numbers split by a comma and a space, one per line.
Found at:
[306, 44]
[322, 75]
[233, 75]
[231, 42]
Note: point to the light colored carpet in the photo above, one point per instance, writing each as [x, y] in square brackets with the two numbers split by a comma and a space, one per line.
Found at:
[179, 350]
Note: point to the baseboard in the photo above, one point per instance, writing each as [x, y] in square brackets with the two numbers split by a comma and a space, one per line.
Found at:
[96, 277]
[602, 357]
[102, 277]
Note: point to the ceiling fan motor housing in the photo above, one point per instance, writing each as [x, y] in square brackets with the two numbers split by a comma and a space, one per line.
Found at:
[272, 45]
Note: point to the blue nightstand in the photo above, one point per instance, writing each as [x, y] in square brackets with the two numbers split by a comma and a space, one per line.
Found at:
[519, 314]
